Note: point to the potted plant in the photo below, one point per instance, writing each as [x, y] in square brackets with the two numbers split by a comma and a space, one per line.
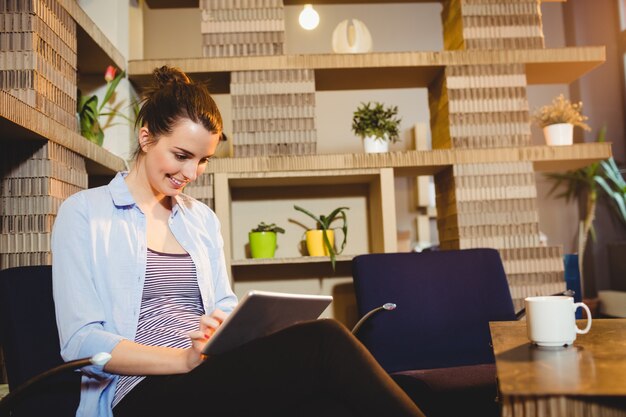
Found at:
[377, 126]
[89, 111]
[558, 120]
[263, 240]
[320, 241]
[587, 183]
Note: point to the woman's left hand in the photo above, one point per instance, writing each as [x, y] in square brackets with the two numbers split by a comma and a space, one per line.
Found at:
[199, 338]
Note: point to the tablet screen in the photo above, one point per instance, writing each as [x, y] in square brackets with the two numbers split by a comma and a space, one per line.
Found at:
[260, 313]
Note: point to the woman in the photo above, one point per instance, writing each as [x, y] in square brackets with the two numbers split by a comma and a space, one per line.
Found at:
[139, 271]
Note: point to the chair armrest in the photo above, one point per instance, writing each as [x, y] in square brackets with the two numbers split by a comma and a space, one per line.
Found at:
[384, 307]
[7, 402]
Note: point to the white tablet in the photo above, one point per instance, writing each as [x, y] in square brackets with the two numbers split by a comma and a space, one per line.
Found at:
[260, 313]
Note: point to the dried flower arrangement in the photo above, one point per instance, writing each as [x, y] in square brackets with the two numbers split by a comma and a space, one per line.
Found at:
[561, 111]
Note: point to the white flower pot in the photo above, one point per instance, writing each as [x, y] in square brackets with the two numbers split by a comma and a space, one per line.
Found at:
[375, 145]
[559, 134]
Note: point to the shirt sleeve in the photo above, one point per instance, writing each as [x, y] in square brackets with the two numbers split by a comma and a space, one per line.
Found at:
[225, 298]
[79, 309]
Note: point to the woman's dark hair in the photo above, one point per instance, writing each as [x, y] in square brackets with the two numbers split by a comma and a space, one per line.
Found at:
[173, 96]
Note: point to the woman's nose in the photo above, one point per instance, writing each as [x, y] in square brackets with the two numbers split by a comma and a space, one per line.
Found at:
[190, 171]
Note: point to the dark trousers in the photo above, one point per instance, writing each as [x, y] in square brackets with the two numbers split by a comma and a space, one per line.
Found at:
[311, 369]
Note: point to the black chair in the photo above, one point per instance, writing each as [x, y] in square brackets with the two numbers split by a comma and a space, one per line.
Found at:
[29, 338]
[436, 344]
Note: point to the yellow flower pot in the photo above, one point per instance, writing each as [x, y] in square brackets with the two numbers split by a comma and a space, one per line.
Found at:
[315, 242]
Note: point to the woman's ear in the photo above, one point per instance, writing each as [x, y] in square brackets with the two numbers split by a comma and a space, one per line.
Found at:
[144, 138]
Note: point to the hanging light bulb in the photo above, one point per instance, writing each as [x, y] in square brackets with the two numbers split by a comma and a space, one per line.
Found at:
[309, 19]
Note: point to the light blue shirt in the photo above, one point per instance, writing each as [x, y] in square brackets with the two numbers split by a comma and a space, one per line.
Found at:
[99, 264]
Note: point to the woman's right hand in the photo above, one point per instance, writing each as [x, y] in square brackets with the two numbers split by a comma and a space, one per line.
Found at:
[199, 338]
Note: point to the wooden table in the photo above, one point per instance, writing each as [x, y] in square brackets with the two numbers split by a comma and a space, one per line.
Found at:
[586, 379]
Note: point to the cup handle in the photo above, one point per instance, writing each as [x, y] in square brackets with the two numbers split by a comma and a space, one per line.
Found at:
[584, 306]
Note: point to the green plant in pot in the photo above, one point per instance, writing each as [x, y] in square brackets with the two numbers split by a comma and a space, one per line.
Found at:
[89, 111]
[588, 183]
[377, 125]
[320, 241]
[262, 240]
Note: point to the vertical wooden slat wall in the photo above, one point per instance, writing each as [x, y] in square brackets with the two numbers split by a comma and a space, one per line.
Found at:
[486, 106]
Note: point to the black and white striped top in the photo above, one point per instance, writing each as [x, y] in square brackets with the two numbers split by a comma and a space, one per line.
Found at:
[171, 305]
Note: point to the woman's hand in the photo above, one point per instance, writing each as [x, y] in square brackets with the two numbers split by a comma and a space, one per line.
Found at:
[208, 326]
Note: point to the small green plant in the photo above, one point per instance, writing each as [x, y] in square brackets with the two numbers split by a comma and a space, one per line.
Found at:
[561, 111]
[262, 227]
[378, 121]
[323, 223]
[89, 111]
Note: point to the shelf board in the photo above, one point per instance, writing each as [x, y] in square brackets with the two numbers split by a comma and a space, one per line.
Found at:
[285, 261]
[189, 4]
[407, 163]
[384, 69]
[19, 121]
[95, 50]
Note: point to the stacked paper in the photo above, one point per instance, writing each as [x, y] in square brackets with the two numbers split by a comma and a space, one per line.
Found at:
[202, 189]
[494, 205]
[38, 47]
[481, 24]
[273, 112]
[36, 179]
[242, 27]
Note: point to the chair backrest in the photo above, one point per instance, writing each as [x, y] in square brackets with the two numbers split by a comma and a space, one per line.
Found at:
[30, 341]
[445, 300]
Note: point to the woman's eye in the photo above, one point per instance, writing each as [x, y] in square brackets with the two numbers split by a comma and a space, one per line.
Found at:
[205, 160]
[180, 156]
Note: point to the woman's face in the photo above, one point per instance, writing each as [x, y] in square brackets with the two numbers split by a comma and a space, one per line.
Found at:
[178, 158]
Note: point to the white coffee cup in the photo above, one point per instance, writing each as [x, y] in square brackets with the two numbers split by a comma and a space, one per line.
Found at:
[551, 320]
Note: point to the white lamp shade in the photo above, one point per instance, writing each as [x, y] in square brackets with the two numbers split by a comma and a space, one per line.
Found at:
[352, 37]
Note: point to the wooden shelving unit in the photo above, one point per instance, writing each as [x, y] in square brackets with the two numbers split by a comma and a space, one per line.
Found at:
[44, 158]
[18, 121]
[377, 173]
[188, 4]
[95, 50]
[408, 163]
[283, 261]
[384, 69]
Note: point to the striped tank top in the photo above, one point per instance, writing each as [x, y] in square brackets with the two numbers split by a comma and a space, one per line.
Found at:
[171, 306]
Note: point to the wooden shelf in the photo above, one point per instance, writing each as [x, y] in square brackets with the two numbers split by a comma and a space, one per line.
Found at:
[282, 170]
[18, 121]
[95, 51]
[189, 4]
[284, 261]
[384, 69]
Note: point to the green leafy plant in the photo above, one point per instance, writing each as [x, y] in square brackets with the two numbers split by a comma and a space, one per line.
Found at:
[561, 111]
[612, 182]
[89, 111]
[378, 121]
[262, 227]
[323, 223]
[587, 182]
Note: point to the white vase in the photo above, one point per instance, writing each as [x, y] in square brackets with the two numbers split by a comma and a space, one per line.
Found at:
[559, 134]
[372, 144]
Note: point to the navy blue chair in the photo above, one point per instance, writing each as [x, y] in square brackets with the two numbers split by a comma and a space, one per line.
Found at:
[30, 341]
[436, 344]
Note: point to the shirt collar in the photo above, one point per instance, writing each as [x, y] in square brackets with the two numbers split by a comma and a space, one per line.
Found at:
[119, 191]
[122, 197]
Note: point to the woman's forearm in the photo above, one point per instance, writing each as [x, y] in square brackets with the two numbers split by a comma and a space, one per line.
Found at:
[130, 358]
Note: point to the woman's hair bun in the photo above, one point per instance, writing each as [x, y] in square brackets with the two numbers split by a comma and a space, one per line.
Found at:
[169, 75]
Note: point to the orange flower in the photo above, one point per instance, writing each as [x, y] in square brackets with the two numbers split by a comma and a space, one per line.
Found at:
[109, 75]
